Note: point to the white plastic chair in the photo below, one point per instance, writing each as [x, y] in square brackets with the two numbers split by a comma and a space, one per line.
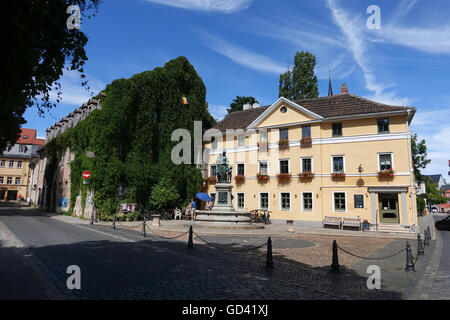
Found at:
[177, 214]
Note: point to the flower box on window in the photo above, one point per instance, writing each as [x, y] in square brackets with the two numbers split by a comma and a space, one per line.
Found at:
[283, 143]
[262, 145]
[262, 177]
[338, 175]
[284, 176]
[386, 173]
[239, 178]
[305, 141]
[306, 175]
[212, 179]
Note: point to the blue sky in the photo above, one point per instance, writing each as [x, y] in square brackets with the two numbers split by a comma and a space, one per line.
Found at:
[239, 47]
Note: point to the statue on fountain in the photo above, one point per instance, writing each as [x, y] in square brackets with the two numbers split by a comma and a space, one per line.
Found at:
[224, 169]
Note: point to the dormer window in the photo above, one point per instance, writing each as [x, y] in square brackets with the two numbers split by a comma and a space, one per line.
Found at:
[283, 109]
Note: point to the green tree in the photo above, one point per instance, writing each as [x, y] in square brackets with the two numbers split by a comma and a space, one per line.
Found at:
[38, 45]
[419, 156]
[163, 194]
[434, 195]
[301, 82]
[238, 103]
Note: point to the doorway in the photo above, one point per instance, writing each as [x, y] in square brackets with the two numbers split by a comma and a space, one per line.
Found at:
[11, 195]
[388, 208]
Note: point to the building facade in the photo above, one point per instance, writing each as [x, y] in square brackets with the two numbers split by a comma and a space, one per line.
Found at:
[341, 155]
[15, 169]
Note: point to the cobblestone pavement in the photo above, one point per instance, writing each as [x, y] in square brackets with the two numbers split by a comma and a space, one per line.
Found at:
[122, 264]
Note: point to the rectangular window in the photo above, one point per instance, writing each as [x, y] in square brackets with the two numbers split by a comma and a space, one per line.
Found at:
[213, 197]
[338, 164]
[11, 164]
[306, 131]
[383, 125]
[240, 200]
[285, 201]
[1, 180]
[337, 129]
[307, 201]
[264, 200]
[19, 164]
[284, 166]
[284, 134]
[385, 161]
[307, 165]
[2, 163]
[241, 140]
[359, 201]
[263, 167]
[17, 180]
[339, 201]
[241, 168]
[213, 171]
[263, 136]
[9, 180]
[21, 148]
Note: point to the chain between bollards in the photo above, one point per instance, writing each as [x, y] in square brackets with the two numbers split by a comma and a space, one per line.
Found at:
[409, 259]
[335, 259]
[190, 244]
[114, 222]
[420, 251]
[143, 227]
[269, 258]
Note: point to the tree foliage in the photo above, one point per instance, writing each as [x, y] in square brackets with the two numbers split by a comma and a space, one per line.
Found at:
[131, 138]
[301, 82]
[37, 46]
[419, 156]
[238, 103]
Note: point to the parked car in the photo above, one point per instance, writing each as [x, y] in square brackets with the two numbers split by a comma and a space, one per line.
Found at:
[443, 224]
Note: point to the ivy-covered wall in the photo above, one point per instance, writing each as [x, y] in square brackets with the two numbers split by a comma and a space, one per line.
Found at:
[131, 138]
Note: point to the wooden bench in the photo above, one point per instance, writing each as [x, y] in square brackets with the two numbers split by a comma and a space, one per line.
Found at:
[333, 221]
[352, 222]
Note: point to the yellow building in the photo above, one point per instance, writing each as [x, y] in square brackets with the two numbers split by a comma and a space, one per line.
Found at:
[336, 156]
[15, 166]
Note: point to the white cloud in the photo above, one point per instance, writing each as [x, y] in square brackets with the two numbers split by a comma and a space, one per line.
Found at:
[72, 90]
[391, 98]
[243, 56]
[402, 10]
[223, 6]
[218, 111]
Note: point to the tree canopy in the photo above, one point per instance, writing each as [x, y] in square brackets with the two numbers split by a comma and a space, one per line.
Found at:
[301, 82]
[37, 46]
[131, 137]
[419, 156]
[238, 103]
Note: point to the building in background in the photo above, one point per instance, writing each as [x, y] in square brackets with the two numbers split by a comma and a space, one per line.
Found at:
[15, 171]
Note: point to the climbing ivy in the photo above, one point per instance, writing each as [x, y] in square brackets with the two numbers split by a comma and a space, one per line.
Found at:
[131, 138]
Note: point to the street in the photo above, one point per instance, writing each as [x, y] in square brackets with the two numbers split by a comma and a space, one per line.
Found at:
[122, 264]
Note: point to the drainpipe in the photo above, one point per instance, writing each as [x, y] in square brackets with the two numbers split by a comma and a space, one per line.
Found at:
[411, 172]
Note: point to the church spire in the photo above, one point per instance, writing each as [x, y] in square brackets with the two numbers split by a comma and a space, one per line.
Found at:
[330, 88]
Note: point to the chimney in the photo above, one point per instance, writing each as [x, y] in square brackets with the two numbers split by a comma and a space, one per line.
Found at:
[256, 105]
[344, 89]
[247, 106]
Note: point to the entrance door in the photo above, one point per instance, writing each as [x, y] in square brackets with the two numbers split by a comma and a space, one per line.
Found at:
[2, 194]
[11, 195]
[388, 208]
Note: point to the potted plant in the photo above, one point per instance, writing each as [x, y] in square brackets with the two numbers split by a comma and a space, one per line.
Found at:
[306, 141]
[284, 176]
[283, 143]
[239, 178]
[262, 145]
[212, 179]
[338, 175]
[386, 173]
[262, 177]
[306, 175]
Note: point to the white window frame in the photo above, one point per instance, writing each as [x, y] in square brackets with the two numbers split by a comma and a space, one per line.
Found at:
[11, 164]
[290, 201]
[7, 178]
[332, 162]
[237, 200]
[301, 163]
[312, 199]
[241, 137]
[210, 166]
[259, 201]
[279, 165]
[384, 153]
[1, 180]
[259, 166]
[21, 163]
[237, 165]
[2, 163]
[15, 181]
[346, 198]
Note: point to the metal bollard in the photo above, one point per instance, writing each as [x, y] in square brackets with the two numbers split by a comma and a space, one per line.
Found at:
[335, 259]
[190, 244]
[114, 222]
[143, 227]
[409, 263]
[420, 251]
[92, 218]
[426, 238]
[429, 232]
[269, 259]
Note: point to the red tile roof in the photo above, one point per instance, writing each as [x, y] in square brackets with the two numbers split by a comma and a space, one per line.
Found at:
[28, 136]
